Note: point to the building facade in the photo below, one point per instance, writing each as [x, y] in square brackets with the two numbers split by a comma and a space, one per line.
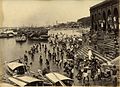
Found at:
[104, 32]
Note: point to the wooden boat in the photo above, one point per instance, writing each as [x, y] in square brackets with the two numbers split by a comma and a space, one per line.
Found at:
[43, 39]
[2, 35]
[10, 35]
[6, 35]
[3, 84]
[59, 79]
[45, 36]
[25, 80]
[39, 75]
[15, 68]
[40, 38]
[21, 39]
[34, 38]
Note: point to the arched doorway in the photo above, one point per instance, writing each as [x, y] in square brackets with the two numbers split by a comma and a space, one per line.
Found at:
[95, 23]
[99, 20]
[92, 21]
[109, 21]
[116, 20]
[96, 27]
[104, 21]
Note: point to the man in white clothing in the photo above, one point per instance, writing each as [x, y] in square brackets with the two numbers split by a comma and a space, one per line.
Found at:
[89, 54]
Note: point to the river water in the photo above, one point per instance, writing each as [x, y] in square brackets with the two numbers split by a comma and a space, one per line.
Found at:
[10, 50]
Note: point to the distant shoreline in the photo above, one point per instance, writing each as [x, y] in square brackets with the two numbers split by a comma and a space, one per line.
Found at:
[70, 28]
[76, 29]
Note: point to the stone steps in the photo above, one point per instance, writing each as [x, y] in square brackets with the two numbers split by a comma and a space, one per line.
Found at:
[108, 45]
[108, 59]
[84, 51]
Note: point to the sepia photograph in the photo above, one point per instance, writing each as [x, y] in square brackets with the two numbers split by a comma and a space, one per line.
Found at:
[59, 43]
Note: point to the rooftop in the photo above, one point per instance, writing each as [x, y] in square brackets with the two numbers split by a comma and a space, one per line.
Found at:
[104, 3]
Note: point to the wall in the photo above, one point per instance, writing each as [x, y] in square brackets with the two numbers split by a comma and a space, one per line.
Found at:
[105, 19]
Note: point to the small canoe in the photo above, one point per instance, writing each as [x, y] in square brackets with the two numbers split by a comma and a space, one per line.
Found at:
[21, 39]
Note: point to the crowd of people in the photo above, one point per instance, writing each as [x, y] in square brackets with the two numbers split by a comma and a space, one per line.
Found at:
[92, 70]
[61, 50]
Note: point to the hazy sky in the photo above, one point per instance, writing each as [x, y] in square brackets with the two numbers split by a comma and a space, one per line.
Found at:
[44, 12]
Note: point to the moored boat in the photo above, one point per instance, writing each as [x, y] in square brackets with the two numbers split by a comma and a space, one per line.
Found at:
[25, 80]
[4, 84]
[3, 35]
[45, 36]
[15, 68]
[34, 38]
[21, 39]
[6, 34]
[40, 38]
[10, 35]
[59, 80]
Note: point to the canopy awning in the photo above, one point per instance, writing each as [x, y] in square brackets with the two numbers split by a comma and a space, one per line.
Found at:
[14, 65]
[6, 85]
[23, 80]
[18, 82]
[28, 79]
[56, 77]
[116, 61]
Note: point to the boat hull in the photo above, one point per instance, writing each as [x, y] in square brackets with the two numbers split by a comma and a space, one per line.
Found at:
[20, 41]
[38, 39]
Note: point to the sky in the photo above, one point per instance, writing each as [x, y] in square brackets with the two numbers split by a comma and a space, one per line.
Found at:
[44, 12]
